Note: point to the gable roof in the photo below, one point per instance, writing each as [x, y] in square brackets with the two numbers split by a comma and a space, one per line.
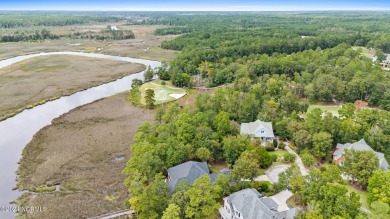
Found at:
[252, 205]
[252, 128]
[189, 171]
[360, 146]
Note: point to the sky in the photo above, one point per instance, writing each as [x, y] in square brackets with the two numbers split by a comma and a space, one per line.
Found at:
[194, 5]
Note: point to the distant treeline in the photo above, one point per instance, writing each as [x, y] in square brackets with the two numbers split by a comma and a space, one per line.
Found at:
[212, 30]
[38, 35]
[43, 34]
[172, 30]
[21, 20]
[107, 34]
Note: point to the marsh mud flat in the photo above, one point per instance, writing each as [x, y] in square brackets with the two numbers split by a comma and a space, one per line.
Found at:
[17, 132]
[40, 79]
[84, 151]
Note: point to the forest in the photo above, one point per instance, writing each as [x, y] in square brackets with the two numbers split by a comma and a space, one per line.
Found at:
[313, 56]
[30, 19]
[273, 68]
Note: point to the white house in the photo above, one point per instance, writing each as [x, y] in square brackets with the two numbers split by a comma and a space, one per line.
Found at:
[250, 204]
[258, 129]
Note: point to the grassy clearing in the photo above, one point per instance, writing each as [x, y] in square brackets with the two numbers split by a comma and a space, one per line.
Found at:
[326, 108]
[44, 189]
[364, 51]
[163, 93]
[217, 167]
[362, 194]
[278, 152]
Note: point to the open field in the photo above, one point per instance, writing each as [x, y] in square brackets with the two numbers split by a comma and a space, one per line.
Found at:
[84, 151]
[39, 79]
[145, 45]
[163, 93]
[365, 51]
[326, 108]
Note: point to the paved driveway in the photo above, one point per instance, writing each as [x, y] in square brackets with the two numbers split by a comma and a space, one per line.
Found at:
[281, 199]
[298, 161]
[274, 171]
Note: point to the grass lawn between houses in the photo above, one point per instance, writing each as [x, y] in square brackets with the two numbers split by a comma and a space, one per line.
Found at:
[163, 93]
[278, 153]
[362, 194]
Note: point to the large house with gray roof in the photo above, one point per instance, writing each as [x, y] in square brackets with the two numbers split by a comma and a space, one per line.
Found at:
[250, 204]
[361, 145]
[190, 171]
[258, 129]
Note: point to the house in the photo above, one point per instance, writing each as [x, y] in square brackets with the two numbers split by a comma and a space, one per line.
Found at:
[250, 204]
[114, 28]
[258, 129]
[361, 145]
[190, 171]
[386, 63]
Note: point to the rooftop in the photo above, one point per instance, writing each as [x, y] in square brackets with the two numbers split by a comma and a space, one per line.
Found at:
[254, 128]
[252, 205]
[361, 146]
[189, 171]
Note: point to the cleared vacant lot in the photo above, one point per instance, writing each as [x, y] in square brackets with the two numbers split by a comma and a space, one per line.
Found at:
[85, 152]
[42, 78]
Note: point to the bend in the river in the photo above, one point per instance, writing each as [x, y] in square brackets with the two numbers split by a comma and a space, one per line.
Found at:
[17, 131]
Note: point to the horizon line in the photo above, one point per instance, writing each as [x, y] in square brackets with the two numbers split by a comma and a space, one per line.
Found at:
[185, 10]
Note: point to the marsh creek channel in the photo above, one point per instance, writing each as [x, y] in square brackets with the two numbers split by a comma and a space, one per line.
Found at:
[16, 132]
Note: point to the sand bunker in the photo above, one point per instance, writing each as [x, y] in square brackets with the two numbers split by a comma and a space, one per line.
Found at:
[176, 96]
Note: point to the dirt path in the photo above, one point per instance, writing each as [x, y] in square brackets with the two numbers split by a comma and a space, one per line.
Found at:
[84, 151]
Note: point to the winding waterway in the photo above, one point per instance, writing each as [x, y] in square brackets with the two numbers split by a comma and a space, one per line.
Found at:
[16, 132]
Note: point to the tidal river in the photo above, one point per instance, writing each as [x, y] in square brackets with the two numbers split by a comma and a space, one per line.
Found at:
[16, 132]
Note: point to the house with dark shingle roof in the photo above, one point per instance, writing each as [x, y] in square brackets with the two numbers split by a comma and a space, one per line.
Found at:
[361, 145]
[190, 171]
[258, 129]
[250, 204]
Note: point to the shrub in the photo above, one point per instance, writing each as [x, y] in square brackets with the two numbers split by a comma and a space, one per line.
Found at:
[274, 157]
[275, 143]
[277, 187]
[262, 186]
[322, 169]
[281, 145]
[269, 144]
[264, 158]
[289, 157]
[307, 158]
[246, 184]
[163, 83]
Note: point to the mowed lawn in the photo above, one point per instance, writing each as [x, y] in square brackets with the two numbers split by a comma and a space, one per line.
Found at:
[362, 194]
[162, 93]
[325, 108]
